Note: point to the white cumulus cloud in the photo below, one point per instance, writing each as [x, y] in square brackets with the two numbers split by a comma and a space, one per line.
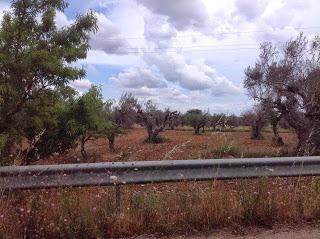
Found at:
[196, 75]
[81, 86]
[139, 77]
[108, 38]
[182, 14]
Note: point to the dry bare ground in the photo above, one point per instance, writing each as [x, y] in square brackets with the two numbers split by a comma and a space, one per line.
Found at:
[178, 145]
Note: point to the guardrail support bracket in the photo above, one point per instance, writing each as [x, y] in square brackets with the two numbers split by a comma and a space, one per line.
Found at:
[118, 199]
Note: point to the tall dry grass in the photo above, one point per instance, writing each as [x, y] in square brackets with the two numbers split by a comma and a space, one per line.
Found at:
[158, 209]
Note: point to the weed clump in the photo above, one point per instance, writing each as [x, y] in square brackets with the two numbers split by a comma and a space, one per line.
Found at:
[155, 140]
[223, 151]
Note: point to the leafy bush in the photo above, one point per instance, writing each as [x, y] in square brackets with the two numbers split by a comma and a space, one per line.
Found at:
[156, 140]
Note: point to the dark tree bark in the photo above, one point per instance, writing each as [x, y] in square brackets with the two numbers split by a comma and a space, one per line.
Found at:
[111, 141]
[277, 139]
[300, 124]
[256, 128]
[153, 124]
[203, 129]
[313, 141]
[83, 152]
[196, 130]
[198, 127]
[152, 135]
[313, 114]
[173, 121]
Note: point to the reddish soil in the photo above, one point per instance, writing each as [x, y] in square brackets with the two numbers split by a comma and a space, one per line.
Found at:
[177, 145]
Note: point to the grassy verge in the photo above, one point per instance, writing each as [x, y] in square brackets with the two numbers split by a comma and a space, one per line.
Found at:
[158, 209]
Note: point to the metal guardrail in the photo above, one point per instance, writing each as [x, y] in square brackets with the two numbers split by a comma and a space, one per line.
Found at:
[142, 172]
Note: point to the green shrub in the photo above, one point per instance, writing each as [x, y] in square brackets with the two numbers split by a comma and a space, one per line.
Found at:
[222, 151]
[156, 140]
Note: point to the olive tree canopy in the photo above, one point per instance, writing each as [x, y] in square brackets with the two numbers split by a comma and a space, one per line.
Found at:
[288, 80]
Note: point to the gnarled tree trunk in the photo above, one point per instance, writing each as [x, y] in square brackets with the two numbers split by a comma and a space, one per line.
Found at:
[256, 128]
[153, 125]
[313, 114]
[276, 139]
[312, 147]
[83, 152]
[198, 127]
[111, 140]
[302, 127]
[153, 132]
[197, 130]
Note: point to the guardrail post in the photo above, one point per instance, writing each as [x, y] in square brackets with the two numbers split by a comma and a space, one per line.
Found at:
[118, 199]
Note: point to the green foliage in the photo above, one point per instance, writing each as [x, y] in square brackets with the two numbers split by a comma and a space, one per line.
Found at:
[35, 64]
[226, 150]
[89, 115]
[155, 140]
[197, 119]
[125, 112]
[111, 129]
[223, 151]
[50, 127]
[69, 121]
[92, 118]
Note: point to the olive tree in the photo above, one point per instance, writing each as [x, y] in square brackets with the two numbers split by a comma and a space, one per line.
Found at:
[197, 119]
[275, 117]
[114, 126]
[92, 119]
[154, 120]
[174, 121]
[217, 120]
[246, 118]
[125, 112]
[258, 121]
[288, 79]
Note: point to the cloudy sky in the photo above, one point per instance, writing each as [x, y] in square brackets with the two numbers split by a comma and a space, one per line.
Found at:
[184, 53]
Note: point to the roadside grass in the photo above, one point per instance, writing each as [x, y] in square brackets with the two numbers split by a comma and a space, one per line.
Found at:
[162, 209]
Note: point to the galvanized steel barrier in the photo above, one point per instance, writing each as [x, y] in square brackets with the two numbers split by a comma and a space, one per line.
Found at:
[143, 172]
